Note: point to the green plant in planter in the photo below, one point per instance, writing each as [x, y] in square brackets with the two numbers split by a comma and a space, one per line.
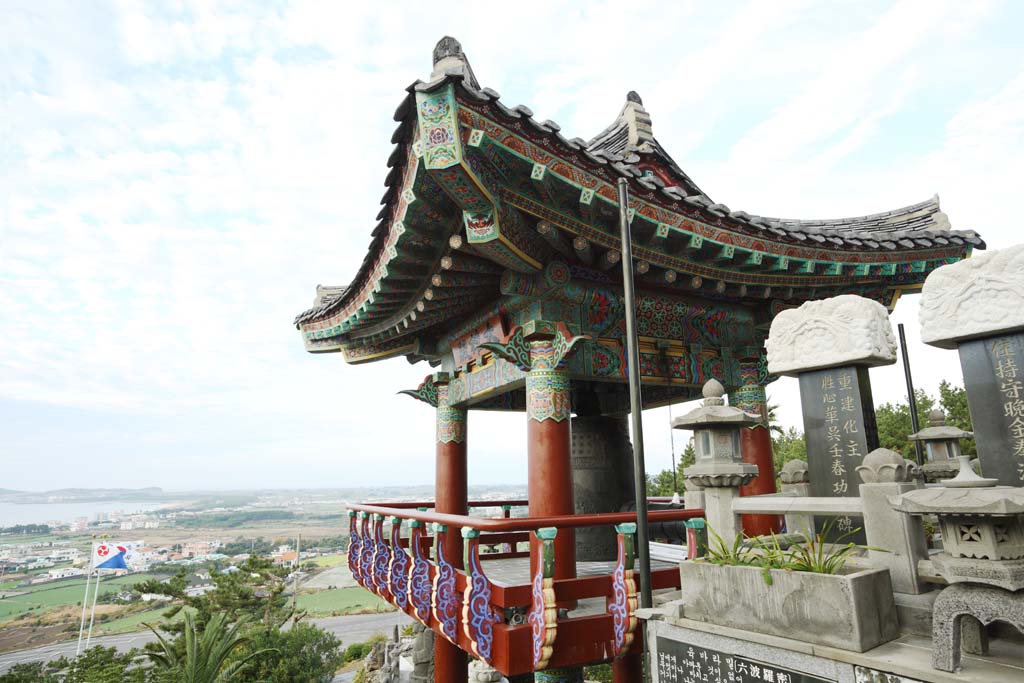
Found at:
[814, 554]
[820, 557]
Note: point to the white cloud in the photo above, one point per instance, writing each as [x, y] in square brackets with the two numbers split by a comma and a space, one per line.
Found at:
[179, 180]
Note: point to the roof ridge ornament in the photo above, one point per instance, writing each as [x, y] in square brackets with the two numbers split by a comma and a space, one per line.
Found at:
[448, 57]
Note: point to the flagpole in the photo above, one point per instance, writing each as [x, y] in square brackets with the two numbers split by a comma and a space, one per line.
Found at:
[92, 617]
[85, 605]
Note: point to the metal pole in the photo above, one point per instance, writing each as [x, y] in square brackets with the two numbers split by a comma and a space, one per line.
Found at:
[85, 608]
[92, 617]
[912, 398]
[635, 404]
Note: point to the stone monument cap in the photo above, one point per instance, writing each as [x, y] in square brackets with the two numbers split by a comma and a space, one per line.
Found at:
[979, 297]
[835, 332]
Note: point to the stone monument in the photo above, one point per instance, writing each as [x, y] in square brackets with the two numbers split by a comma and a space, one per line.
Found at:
[828, 346]
[977, 306]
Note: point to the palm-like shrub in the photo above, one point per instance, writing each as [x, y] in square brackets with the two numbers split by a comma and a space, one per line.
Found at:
[207, 653]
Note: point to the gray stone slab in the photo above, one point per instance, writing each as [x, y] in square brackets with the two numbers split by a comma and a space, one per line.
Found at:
[839, 429]
[993, 372]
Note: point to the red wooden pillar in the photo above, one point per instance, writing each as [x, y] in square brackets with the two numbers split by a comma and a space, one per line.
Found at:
[629, 668]
[756, 447]
[540, 348]
[451, 496]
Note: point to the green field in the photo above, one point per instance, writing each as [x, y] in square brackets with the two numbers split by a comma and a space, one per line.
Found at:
[39, 598]
[330, 560]
[135, 622]
[342, 601]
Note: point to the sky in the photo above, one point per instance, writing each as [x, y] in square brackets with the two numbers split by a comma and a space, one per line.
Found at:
[177, 177]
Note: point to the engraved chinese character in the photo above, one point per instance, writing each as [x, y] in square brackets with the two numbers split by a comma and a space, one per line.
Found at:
[755, 671]
[837, 468]
[1006, 369]
[826, 382]
[844, 524]
[835, 450]
[1014, 408]
[768, 675]
[840, 487]
[1018, 448]
[832, 433]
[831, 415]
[1017, 428]
[1011, 389]
[850, 426]
[828, 397]
[1002, 349]
[847, 404]
[782, 678]
[845, 380]
[852, 449]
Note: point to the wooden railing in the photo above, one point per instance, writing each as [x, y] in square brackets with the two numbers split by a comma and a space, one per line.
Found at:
[514, 628]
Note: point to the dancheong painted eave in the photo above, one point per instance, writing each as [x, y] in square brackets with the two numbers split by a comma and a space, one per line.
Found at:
[476, 190]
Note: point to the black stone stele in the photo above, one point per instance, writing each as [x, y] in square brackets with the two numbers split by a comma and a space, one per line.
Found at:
[993, 371]
[680, 662]
[839, 430]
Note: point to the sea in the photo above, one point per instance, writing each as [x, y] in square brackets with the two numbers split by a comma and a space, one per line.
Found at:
[41, 513]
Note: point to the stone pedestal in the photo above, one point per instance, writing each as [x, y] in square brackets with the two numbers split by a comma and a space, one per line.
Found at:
[899, 537]
[796, 482]
[602, 472]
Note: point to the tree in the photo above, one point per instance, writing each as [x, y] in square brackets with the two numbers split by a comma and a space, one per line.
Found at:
[668, 483]
[953, 401]
[786, 446]
[255, 593]
[894, 424]
[95, 665]
[207, 653]
[31, 672]
[302, 654]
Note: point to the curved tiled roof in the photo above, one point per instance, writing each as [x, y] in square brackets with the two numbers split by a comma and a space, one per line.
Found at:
[623, 149]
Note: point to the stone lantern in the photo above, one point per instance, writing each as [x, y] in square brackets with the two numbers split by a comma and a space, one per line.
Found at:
[942, 442]
[719, 469]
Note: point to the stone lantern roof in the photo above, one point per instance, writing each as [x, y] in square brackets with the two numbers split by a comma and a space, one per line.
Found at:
[713, 412]
[938, 430]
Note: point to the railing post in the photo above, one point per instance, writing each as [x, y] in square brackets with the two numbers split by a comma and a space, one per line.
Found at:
[381, 559]
[477, 614]
[420, 588]
[796, 482]
[398, 568]
[543, 615]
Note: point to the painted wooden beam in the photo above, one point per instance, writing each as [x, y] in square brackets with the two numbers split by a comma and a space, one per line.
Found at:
[583, 250]
[553, 236]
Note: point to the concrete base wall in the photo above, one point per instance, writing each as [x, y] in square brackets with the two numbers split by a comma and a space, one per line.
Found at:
[602, 467]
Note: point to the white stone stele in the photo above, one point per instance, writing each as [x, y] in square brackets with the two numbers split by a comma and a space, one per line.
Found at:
[842, 330]
[982, 296]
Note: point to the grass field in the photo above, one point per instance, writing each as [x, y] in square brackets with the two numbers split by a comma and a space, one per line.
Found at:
[342, 601]
[135, 622]
[39, 598]
[330, 560]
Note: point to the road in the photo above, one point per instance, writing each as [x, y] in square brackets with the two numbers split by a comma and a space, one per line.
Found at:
[353, 629]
